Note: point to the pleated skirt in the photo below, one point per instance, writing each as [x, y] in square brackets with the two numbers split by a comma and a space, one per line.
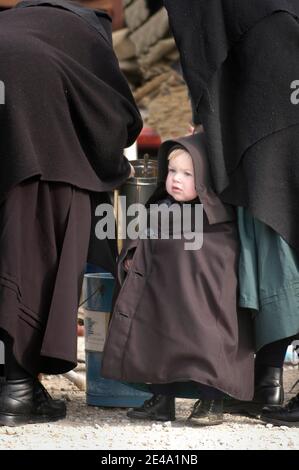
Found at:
[44, 238]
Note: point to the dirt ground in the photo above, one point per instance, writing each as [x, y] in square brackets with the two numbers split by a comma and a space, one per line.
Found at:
[90, 427]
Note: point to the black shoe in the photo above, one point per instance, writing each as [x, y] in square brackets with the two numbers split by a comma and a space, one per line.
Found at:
[157, 408]
[268, 392]
[207, 412]
[287, 415]
[26, 401]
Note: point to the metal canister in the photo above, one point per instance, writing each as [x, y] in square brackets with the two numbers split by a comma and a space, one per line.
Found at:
[136, 190]
[139, 188]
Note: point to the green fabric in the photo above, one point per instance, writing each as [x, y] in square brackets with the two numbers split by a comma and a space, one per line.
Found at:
[268, 280]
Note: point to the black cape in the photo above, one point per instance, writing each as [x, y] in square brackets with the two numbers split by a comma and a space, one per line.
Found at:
[68, 111]
[239, 60]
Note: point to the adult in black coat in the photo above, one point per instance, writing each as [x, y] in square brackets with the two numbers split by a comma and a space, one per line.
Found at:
[67, 116]
[240, 63]
[239, 60]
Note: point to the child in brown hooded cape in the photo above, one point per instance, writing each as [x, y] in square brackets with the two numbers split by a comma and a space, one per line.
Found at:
[175, 322]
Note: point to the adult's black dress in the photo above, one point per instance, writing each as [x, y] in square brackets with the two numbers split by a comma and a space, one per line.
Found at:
[240, 61]
[67, 116]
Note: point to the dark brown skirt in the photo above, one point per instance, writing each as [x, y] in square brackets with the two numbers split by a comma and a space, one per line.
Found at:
[44, 236]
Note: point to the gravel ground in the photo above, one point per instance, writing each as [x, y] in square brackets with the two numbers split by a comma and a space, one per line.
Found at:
[89, 427]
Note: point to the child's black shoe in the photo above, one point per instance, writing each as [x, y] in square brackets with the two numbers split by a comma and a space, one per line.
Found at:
[157, 408]
[207, 412]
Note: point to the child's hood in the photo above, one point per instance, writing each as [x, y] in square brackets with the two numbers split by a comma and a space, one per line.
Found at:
[195, 145]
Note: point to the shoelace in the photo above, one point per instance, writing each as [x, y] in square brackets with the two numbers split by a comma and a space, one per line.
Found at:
[195, 407]
[198, 404]
[152, 401]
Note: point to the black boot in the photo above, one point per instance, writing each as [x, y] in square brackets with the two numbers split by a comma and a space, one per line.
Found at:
[268, 392]
[287, 415]
[157, 408]
[269, 386]
[207, 412]
[25, 401]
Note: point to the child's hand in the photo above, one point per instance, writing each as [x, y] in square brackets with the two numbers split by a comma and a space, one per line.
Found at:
[127, 264]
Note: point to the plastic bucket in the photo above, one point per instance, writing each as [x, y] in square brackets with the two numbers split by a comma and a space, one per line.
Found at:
[97, 293]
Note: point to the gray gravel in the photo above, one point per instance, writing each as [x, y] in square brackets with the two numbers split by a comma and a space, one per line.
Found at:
[88, 427]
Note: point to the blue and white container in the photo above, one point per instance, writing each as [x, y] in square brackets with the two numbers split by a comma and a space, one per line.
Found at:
[97, 293]
[292, 354]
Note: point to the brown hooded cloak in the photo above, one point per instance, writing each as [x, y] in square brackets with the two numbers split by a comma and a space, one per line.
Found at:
[176, 318]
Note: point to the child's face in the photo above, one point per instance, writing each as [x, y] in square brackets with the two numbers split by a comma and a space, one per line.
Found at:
[180, 182]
